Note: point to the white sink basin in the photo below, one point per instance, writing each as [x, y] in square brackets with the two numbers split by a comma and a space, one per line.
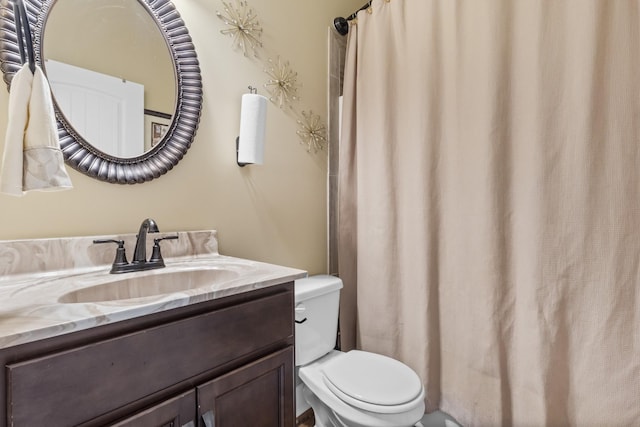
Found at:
[129, 287]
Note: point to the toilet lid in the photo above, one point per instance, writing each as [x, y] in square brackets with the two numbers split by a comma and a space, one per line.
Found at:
[373, 379]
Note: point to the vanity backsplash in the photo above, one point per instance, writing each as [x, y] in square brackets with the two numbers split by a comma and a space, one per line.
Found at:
[19, 257]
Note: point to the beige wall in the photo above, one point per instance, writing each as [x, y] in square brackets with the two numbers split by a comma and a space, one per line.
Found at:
[275, 212]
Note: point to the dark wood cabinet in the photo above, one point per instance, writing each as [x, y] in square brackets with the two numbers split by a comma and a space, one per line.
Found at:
[175, 412]
[256, 391]
[229, 358]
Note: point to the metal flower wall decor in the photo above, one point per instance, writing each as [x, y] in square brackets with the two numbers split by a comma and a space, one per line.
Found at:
[244, 26]
[312, 131]
[282, 84]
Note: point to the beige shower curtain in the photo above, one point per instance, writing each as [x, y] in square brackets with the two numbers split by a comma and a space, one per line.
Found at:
[489, 218]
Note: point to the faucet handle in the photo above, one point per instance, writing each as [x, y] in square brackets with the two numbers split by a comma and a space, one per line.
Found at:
[121, 255]
[118, 242]
[156, 255]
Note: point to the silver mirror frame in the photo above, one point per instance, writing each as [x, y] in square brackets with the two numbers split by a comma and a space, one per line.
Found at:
[79, 153]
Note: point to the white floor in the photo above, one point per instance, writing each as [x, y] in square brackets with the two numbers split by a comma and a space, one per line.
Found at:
[437, 419]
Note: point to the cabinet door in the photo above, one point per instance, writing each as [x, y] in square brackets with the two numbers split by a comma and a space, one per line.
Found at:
[179, 411]
[259, 394]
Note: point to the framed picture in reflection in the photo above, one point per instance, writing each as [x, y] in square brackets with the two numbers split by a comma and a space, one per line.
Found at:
[158, 130]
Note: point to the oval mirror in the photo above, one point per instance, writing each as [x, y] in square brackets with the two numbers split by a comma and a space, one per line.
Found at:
[125, 78]
[115, 84]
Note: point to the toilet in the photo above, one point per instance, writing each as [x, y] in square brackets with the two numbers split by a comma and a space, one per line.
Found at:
[352, 389]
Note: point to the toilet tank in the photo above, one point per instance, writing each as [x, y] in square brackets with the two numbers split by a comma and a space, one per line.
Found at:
[317, 299]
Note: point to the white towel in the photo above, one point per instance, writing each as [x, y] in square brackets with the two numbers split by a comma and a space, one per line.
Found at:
[32, 158]
[11, 173]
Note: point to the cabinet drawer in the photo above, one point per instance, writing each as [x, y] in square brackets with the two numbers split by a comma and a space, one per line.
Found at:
[74, 386]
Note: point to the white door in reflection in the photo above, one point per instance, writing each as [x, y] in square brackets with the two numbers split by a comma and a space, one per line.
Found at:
[105, 110]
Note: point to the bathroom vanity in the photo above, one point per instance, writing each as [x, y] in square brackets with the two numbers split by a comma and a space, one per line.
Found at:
[218, 355]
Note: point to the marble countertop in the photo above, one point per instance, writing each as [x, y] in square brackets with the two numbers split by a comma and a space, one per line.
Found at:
[32, 303]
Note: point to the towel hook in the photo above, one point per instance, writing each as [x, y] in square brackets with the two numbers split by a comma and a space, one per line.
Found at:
[23, 31]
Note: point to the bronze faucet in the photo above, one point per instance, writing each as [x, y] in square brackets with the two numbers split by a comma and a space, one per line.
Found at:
[139, 263]
[140, 252]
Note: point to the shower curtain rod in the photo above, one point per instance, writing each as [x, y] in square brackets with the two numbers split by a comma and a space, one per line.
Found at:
[342, 24]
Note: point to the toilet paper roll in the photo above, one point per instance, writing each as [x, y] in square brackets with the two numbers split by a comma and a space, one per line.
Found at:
[253, 121]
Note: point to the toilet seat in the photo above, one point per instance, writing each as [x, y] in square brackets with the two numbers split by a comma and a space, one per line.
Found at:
[327, 402]
[373, 382]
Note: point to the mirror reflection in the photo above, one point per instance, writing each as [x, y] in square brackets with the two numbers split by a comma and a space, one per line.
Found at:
[111, 73]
